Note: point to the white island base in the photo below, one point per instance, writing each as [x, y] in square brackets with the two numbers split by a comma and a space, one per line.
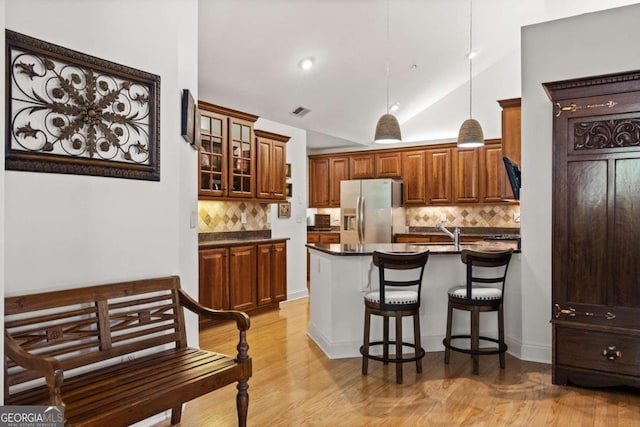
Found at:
[339, 282]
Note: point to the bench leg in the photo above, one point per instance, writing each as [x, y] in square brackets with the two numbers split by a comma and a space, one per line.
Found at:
[176, 415]
[242, 402]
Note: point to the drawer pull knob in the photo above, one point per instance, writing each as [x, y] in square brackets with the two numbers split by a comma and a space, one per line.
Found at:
[611, 353]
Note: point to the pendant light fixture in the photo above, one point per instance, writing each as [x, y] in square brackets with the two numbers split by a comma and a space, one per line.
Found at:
[388, 128]
[470, 134]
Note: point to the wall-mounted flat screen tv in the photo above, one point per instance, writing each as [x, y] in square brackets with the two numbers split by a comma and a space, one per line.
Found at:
[515, 178]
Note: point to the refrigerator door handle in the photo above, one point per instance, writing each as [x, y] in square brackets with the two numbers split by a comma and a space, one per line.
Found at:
[358, 218]
[361, 219]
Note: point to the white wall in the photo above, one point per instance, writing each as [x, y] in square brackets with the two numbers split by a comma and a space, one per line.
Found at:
[585, 45]
[71, 231]
[2, 220]
[294, 227]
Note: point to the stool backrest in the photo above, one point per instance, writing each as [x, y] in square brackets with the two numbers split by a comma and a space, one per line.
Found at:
[476, 260]
[399, 261]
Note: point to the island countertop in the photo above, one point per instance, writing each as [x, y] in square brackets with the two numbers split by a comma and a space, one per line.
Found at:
[343, 249]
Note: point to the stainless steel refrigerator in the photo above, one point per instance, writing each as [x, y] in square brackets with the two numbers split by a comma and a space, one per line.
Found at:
[370, 210]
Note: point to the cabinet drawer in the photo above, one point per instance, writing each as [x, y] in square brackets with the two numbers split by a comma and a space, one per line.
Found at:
[584, 349]
[313, 238]
[330, 238]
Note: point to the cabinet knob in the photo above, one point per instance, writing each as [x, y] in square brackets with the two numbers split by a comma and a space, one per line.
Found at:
[611, 353]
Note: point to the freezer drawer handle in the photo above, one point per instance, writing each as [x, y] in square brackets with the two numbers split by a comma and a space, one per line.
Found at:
[611, 353]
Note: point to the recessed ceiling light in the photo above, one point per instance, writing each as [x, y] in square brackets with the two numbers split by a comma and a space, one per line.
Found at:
[306, 63]
[472, 54]
[394, 107]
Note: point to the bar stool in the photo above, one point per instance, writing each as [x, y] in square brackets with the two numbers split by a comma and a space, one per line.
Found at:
[482, 293]
[395, 300]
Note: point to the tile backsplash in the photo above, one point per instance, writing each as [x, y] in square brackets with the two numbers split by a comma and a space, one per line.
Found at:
[222, 216]
[465, 216]
[458, 216]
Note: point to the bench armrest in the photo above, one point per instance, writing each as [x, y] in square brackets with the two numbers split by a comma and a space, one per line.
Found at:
[48, 367]
[241, 318]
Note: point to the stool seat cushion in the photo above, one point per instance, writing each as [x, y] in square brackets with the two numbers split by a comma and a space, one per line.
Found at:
[477, 293]
[393, 297]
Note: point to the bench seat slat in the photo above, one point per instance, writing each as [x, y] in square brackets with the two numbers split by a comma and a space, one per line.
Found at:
[108, 389]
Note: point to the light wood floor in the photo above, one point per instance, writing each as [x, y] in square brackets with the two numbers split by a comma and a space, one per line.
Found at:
[294, 384]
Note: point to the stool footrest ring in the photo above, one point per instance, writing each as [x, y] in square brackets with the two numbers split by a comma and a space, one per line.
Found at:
[501, 346]
[394, 360]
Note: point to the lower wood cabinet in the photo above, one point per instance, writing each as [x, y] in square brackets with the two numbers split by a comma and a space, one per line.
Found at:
[245, 278]
[242, 278]
[272, 273]
[213, 269]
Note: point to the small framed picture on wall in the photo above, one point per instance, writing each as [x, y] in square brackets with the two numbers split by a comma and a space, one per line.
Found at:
[284, 210]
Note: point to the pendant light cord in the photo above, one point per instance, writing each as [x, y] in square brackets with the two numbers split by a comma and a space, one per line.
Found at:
[470, 53]
[387, 48]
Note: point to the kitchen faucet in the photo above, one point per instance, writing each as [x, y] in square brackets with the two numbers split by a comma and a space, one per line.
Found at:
[455, 235]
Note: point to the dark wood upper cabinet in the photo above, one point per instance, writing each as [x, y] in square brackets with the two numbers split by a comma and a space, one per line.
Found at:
[466, 175]
[596, 230]
[439, 178]
[511, 145]
[388, 164]
[414, 190]
[271, 163]
[237, 162]
[338, 171]
[362, 166]
[437, 174]
[319, 182]
[492, 173]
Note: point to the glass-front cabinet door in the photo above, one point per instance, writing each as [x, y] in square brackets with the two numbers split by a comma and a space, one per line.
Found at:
[242, 159]
[213, 154]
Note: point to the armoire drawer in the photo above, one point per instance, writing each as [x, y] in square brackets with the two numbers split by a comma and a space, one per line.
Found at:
[603, 351]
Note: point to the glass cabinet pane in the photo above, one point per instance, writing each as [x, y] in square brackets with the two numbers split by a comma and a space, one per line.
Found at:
[205, 145]
[216, 127]
[205, 124]
[246, 134]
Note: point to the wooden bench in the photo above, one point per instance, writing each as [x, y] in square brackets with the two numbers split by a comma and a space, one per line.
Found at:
[115, 354]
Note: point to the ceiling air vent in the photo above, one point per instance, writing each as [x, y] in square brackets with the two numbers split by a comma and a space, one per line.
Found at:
[301, 111]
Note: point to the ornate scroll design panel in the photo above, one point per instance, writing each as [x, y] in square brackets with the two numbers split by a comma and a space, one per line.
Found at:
[601, 134]
[68, 112]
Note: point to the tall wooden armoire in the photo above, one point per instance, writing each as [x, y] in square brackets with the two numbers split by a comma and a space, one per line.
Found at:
[596, 230]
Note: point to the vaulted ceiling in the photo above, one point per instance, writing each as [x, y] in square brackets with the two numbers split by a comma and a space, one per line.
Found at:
[249, 52]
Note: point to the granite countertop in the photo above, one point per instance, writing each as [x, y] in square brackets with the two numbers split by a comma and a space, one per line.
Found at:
[464, 231]
[341, 249]
[236, 238]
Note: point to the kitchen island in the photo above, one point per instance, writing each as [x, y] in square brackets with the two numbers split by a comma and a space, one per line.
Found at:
[341, 274]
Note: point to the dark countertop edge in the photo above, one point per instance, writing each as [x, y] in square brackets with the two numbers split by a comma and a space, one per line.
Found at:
[337, 248]
[243, 242]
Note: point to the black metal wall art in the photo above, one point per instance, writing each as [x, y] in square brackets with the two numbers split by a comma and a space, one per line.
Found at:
[68, 112]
